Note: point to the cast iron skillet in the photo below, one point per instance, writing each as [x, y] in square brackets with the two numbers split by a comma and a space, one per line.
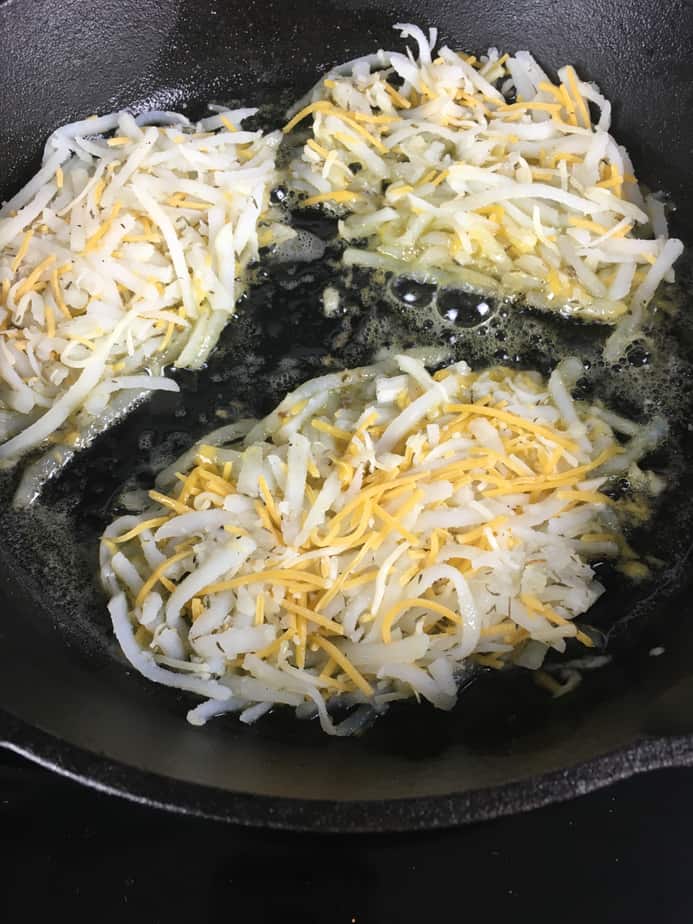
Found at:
[67, 700]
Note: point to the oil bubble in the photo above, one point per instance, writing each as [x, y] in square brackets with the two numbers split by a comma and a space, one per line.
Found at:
[465, 309]
[411, 292]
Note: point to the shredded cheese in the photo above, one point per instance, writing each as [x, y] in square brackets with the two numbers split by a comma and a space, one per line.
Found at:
[355, 593]
[146, 219]
[536, 174]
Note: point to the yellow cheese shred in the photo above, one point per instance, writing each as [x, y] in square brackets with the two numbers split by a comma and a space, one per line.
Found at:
[346, 665]
[153, 578]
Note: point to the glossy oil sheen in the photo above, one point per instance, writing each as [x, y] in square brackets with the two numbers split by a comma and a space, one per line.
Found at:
[67, 697]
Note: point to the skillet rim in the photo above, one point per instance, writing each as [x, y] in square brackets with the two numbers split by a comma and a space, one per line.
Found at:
[168, 793]
[283, 813]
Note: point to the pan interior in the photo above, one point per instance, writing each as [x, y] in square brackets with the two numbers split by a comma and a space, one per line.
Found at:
[504, 728]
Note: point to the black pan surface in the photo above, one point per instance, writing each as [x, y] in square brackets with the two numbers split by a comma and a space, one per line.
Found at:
[67, 699]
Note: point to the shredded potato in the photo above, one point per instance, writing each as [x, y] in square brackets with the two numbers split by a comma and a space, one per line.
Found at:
[126, 252]
[487, 173]
[382, 532]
